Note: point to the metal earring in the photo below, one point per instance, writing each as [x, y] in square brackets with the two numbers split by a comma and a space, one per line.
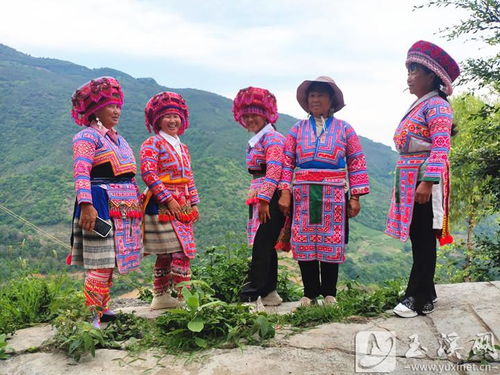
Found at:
[99, 123]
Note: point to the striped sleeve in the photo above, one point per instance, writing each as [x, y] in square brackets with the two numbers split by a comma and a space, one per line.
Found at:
[359, 183]
[193, 191]
[289, 161]
[149, 155]
[84, 146]
[439, 118]
[273, 145]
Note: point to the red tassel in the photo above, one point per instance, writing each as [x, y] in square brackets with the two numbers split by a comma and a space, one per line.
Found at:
[283, 246]
[69, 258]
[251, 201]
[446, 240]
[134, 214]
[114, 212]
[163, 217]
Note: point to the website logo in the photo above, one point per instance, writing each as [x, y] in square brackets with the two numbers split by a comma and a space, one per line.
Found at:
[375, 351]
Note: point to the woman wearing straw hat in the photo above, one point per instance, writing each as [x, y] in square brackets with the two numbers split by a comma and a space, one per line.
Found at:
[420, 201]
[171, 199]
[104, 169]
[255, 109]
[324, 159]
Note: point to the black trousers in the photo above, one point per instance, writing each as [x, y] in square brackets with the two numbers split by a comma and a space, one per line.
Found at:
[423, 246]
[263, 274]
[313, 284]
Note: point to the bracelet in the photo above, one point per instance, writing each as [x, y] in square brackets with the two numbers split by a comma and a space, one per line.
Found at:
[356, 198]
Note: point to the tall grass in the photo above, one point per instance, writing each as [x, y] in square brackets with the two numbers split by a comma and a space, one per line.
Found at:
[28, 300]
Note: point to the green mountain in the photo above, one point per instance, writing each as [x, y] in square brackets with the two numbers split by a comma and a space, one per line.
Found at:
[36, 178]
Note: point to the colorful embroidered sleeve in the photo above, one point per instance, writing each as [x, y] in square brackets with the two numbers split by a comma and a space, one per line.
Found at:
[273, 143]
[439, 117]
[149, 169]
[84, 146]
[289, 160]
[193, 191]
[356, 164]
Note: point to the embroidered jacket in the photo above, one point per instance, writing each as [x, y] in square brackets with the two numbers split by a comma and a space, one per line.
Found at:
[427, 127]
[160, 160]
[91, 148]
[337, 145]
[423, 142]
[267, 157]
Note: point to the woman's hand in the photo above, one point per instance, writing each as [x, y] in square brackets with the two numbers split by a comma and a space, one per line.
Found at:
[424, 191]
[285, 202]
[353, 207]
[264, 215]
[88, 215]
[174, 208]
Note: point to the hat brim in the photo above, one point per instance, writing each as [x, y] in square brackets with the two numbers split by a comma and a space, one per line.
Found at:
[337, 100]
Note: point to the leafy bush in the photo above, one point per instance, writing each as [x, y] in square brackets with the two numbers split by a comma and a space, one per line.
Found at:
[225, 268]
[353, 299]
[287, 289]
[78, 338]
[483, 260]
[208, 322]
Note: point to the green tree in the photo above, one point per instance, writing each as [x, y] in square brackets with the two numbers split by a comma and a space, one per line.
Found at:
[483, 24]
[474, 148]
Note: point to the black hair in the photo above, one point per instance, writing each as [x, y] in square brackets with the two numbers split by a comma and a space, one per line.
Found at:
[436, 85]
[92, 117]
[320, 87]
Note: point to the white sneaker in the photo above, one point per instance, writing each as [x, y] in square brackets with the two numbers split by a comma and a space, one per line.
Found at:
[272, 299]
[164, 301]
[404, 312]
[330, 300]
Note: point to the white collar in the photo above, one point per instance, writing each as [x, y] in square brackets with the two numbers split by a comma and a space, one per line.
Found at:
[256, 138]
[422, 99]
[174, 141]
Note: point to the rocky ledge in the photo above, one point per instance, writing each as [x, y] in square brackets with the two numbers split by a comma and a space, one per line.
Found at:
[464, 314]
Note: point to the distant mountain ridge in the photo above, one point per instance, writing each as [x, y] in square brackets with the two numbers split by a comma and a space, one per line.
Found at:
[35, 173]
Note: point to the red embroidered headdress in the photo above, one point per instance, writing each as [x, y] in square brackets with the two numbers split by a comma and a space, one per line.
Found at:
[254, 100]
[162, 104]
[436, 59]
[94, 95]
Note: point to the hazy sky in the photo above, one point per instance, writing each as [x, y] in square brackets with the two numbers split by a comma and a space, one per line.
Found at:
[224, 45]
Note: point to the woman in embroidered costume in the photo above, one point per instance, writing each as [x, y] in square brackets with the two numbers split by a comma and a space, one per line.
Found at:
[255, 109]
[322, 155]
[104, 169]
[171, 198]
[420, 201]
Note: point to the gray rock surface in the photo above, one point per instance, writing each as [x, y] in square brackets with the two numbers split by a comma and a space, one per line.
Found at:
[466, 309]
[30, 339]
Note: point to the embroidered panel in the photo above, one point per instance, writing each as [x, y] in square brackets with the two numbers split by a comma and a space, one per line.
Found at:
[91, 148]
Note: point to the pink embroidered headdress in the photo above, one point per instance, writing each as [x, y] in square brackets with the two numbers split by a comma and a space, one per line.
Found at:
[437, 60]
[164, 103]
[254, 100]
[94, 95]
